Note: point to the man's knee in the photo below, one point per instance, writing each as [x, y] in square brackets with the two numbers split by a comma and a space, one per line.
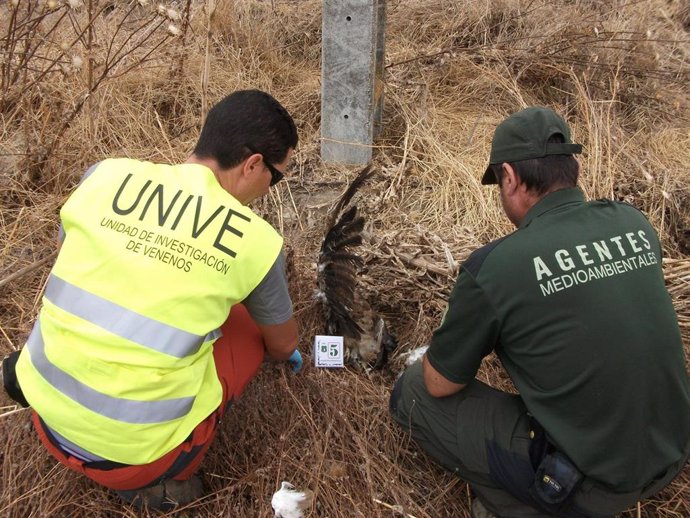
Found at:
[405, 387]
[407, 395]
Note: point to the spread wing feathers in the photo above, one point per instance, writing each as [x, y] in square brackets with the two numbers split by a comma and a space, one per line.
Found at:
[338, 263]
[346, 197]
[346, 232]
[338, 273]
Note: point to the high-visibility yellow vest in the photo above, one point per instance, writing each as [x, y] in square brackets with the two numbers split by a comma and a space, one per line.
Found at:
[120, 360]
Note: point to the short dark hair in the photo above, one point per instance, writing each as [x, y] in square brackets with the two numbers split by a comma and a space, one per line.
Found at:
[544, 174]
[242, 120]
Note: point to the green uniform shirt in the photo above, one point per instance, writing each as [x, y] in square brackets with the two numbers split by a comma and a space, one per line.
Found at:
[575, 306]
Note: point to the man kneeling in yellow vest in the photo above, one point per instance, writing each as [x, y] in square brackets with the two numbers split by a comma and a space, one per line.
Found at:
[166, 294]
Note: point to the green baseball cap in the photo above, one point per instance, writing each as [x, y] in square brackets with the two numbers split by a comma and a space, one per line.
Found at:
[524, 135]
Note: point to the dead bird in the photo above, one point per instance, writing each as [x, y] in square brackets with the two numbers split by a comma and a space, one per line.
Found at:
[367, 339]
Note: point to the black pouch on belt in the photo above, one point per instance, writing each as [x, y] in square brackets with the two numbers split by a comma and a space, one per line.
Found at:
[9, 379]
[555, 481]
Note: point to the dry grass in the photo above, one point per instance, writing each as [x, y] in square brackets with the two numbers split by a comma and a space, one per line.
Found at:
[618, 70]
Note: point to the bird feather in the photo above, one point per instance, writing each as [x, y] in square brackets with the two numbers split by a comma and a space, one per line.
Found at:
[347, 314]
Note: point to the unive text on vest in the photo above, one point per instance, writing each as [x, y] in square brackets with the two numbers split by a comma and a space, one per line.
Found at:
[171, 215]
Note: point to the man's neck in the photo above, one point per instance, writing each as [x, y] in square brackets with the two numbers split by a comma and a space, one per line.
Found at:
[211, 163]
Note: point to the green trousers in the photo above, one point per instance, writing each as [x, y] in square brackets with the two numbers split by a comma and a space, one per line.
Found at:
[483, 435]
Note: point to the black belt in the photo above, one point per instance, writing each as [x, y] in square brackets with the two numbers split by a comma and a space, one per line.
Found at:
[102, 465]
[178, 465]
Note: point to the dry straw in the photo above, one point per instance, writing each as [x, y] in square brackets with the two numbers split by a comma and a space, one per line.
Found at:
[80, 81]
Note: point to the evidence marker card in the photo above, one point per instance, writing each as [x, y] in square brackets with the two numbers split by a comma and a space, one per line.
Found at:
[328, 351]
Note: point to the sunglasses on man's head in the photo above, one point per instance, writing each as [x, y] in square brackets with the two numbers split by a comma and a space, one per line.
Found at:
[276, 175]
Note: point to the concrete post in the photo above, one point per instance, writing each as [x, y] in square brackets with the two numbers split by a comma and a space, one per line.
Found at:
[352, 66]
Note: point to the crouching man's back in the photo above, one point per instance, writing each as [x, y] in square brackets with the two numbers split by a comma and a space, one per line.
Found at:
[574, 304]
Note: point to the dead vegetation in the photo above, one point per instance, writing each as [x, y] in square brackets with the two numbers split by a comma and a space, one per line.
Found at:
[85, 80]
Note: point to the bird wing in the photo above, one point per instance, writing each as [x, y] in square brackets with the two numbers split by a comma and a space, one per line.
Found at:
[337, 271]
[347, 196]
[338, 263]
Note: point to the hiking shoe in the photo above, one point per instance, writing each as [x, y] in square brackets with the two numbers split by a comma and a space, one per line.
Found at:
[479, 511]
[165, 496]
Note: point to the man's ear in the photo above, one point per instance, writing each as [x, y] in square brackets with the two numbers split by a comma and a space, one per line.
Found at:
[251, 163]
[510, 181]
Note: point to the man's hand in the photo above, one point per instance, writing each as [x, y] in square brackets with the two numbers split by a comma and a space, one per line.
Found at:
[295, 361]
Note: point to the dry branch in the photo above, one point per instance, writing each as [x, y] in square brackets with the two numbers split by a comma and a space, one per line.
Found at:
[27, 269]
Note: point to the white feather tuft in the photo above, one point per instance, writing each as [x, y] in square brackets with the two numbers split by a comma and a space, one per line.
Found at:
[415, 355]
[287, 502]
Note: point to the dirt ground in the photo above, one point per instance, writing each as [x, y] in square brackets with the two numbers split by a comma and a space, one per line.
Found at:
[81, 81]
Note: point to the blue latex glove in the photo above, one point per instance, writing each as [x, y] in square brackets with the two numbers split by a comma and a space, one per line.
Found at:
[295, 361]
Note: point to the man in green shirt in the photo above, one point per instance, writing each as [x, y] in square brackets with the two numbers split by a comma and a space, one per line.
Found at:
[574, 304]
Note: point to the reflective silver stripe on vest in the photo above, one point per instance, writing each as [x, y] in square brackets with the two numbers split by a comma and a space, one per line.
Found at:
[124, 322]
[125, 410]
